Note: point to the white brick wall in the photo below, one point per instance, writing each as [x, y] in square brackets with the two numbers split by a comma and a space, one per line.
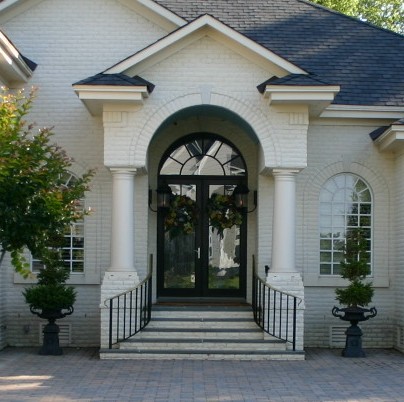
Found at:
[335, 148]
[398, 272]
[73, 39]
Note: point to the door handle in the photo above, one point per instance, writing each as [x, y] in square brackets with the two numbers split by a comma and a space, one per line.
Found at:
[198, 251]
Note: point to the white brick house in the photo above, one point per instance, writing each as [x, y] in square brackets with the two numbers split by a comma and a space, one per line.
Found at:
[310, 100]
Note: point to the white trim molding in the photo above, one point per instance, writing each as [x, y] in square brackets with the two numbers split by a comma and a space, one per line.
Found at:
[316, 97]
[13, 68]
[392, 139]
[95, 96]
[363, 112]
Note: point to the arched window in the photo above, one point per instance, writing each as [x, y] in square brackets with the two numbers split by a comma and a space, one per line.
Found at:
[345, 203]
[203, 155]
[73, 245]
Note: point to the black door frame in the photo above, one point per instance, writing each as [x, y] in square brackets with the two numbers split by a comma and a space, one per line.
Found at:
[201, 289]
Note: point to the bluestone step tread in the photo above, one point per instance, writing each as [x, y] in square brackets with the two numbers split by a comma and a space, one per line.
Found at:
[202, 332]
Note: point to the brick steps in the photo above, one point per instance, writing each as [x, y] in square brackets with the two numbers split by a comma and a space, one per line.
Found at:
[202, 332]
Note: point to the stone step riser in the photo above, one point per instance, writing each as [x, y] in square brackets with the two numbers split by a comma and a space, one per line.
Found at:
[201, 325]
[202, 356]
[200, 335]
[252, 348]
[212, 316]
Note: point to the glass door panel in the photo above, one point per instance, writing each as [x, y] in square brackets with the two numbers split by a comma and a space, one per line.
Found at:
[179, 264]
[180, 251]
[223, 251]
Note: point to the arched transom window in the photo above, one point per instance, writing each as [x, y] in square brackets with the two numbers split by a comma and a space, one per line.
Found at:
[203, 155]
[345, 203]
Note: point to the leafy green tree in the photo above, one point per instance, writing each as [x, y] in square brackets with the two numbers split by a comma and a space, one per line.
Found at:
[387, 14]
[36, 207]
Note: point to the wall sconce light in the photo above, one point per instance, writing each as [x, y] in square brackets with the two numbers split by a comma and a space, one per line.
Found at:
[240, 195]
[164, 194]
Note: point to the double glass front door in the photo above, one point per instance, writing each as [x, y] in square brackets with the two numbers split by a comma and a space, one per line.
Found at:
[197, 255]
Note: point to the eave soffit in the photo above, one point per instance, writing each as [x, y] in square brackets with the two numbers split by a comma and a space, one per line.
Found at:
[390, 138]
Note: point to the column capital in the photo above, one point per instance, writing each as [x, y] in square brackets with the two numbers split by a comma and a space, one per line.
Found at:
[285, 172]
[123, 170]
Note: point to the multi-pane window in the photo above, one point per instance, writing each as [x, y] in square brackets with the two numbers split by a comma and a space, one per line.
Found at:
[72, 246]
[345, 203]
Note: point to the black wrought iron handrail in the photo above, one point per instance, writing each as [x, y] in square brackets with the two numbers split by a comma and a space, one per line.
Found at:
[130, 311]
[275, 311]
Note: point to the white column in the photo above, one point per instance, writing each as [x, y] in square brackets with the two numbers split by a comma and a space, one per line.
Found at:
[284, 222]
[122, 236]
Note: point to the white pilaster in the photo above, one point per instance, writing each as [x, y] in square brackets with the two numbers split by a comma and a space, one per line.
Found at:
[122, 236]
[284, 222]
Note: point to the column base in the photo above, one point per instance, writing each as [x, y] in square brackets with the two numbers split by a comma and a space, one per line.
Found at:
[289, 282]
[292, 283]
[113, 284]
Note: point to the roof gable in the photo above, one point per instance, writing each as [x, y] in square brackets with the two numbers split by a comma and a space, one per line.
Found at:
[205, 25]
[364, 60]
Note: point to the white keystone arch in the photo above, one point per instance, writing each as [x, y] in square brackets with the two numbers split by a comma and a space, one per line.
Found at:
[258, 122]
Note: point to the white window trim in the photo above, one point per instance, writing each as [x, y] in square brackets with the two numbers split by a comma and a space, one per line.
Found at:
[381, 247]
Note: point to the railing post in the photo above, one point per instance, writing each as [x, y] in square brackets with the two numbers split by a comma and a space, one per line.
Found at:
[294, 323]
[263, 307]
[124, 315]
[280, 314]
[287, 316]
[131, 309]
[110, 324]
[269, 308]
[136, 304]
[150, 287]
[117, 319]
[274, 314]
[141, 308]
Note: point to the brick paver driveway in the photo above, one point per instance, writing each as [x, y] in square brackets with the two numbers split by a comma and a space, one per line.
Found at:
[79, 375]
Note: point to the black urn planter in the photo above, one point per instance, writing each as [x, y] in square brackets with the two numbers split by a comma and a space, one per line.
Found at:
[50, 345]
[353, 343]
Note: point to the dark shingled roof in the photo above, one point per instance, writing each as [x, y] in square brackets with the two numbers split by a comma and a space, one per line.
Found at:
[116, 80]
[29, 63]
[293, 80]
[379, 131]
[365, 60]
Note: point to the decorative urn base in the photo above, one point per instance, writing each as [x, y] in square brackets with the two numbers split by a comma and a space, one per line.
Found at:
[50, 345]
[353, 342]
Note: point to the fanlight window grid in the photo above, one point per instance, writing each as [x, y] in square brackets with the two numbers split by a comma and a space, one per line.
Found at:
[204, 156]
[345, 203]
[73, 247]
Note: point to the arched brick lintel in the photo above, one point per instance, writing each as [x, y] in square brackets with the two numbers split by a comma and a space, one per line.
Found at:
[259, 123]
